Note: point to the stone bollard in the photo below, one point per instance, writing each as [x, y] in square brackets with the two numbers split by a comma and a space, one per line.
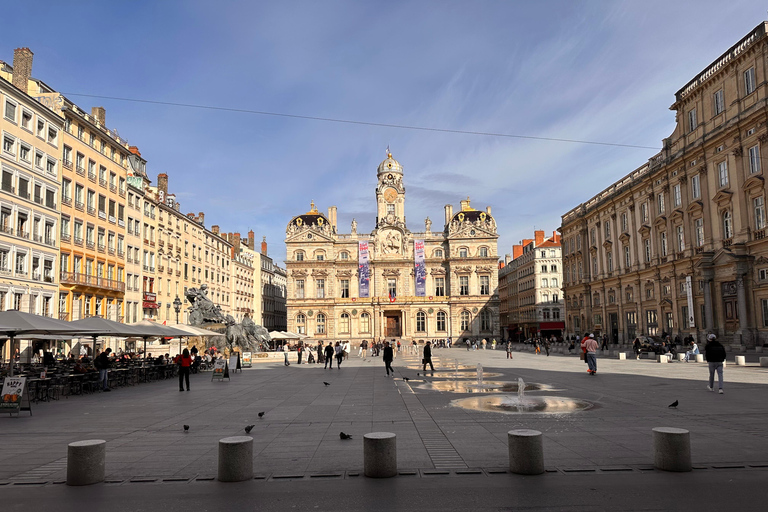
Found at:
[622, 356]
[741, 361]
[681, 356]
[662, 358]
[235, 459]
[526, 452]
[699, 358]
[671, 449]
[764, 362]
[86, 462]
[380, 454]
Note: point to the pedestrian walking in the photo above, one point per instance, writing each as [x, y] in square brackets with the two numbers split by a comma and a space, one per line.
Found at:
[509, 349]
[546, 346]
[589, 345]
[427, 359]
[345, 348]
[184, 362]
[636, 346]
[493, 343]
[329, 353]
[715, 354]
[285, 353]
[339, 350]
[388, 357]
[102, 364]
[537, 345]
[299, 352]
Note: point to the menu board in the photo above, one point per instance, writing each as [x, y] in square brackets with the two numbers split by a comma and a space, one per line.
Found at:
[247, 359]
[220, 369]
[13, 395]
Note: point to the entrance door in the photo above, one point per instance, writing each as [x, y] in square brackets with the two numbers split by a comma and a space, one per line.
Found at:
[393, 326]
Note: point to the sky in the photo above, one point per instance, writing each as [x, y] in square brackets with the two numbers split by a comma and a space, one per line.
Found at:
[599, 71]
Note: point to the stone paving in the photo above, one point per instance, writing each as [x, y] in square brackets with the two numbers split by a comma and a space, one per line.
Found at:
[299, 433]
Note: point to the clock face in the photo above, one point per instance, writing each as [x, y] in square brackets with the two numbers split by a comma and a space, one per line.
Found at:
[390, 195]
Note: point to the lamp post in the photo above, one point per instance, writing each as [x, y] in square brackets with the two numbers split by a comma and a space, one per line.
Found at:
[177, 308]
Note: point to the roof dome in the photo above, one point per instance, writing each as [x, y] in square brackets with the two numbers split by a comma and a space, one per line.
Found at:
[390, 165]
[312, 218]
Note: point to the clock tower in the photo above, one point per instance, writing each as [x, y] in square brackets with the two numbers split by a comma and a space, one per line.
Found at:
[390, 192]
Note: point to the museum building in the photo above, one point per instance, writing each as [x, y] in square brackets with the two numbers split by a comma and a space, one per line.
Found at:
[393, 282]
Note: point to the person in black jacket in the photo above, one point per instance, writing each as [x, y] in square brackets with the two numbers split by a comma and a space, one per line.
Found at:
[715, 354]
[389, 355]
[102, 364]
[427, 357]
[329, 355]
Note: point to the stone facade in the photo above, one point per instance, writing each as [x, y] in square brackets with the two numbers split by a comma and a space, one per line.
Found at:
[460, 299]
[694, 213]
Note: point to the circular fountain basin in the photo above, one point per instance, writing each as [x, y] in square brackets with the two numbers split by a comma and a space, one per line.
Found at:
[528, 405]
[463, 386]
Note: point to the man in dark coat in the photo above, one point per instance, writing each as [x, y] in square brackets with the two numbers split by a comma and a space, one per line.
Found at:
[715, 354]
[389, 355]
[427, 357]
[102, 364]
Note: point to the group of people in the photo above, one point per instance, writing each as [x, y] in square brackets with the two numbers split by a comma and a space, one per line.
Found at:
[481, 344]
[325, 353]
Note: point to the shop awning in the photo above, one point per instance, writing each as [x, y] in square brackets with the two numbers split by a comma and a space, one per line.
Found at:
[544, 326]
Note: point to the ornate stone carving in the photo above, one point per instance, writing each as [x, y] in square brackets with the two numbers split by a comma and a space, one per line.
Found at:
[437, 271]
[738, 151]
[318, 272]
[390, 272]
[343, 273]
[465, 269]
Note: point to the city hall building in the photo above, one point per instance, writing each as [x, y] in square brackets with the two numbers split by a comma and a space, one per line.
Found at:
[393, 282]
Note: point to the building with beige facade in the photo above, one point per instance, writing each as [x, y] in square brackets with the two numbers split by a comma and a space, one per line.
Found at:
[679, 244]
[245, 276]
[32, 139]
[273, 292]
[459, 271]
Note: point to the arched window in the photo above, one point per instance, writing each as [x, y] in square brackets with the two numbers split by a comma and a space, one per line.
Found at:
[421, 322]
[301, 324]
[727, 224]
[483, 252]
[344, 255]
[441, 321]
[365, 322]
[344, 323]
[438, 253]
[464, 320]
[463, 252]
[319, 255]
[299, 255]
[485, 320]
[320, 324]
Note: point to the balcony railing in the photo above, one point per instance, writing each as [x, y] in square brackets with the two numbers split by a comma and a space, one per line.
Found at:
[728, 242]
[759, 234]
[79, 205]
[91, 210]
[22, 234]
[50, 241]
[120, 253]
[65, 237]
[91, 281]
[103, 182]
[66, 200]
[80, 170]
[90, 245]
[78, 241]
[92, 176]
[102, 247]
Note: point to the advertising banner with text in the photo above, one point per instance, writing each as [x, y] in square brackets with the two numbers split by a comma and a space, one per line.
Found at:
[363, 270]
[420, 268]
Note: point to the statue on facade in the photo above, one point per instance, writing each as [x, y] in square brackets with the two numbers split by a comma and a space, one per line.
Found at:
[428, 225]
[354, 227]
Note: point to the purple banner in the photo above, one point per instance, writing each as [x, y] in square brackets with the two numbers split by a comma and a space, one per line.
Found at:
[420, 268]
[363, 270]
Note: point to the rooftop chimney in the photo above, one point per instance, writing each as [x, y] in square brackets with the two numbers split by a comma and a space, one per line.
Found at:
[162, 184]
[264, 245]
[538, 237]
[488, 210]
[251, 240]
[517, 251]
[448, 213]
[236, 243]
[22, 68]
[133, 149]
[201, 218]
[101, 116]
[215, 230]
[465, 204]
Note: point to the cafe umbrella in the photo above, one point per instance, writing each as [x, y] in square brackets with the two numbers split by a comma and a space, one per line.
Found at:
[14, 323]
[103, 327]
[149, 329]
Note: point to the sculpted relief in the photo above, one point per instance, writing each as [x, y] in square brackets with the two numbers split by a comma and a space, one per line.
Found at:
[392, 243]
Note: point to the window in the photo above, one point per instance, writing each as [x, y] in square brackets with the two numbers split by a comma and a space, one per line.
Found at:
[680, 239]
[344, 287]
[438, 253]
[609, 261]
[8, 144]
[754, 159]
[344, 255]
[644, 212]
[758, 206]
[594, 266]
[320, 324]
[464, 320]
[485, 286]
[544, 282]
[749, 81]
[660, 203]
[25, 153]
[319, 256]
[365, 322]
[554, 282]
[299, 256]
[553, 268]
[696, 186]
[485, 320]
[727, 224]
[719, 101]
[647, 250]
[10, 111]
[462, 252]
[320, 287]
[440, 286]
[592, 236]
[543, 269]
[624, 223]
[421, 322]
[677, 199]
[692, 124]
[26, 119]
[627, 258]
[390, 209]
[344, 323]
[607, 229]
[392, 287]
[483, 252]
[441, 323]
[463, 285]
[722, 173]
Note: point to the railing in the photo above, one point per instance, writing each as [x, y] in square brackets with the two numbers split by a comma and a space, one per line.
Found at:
[37, 238]
[92, 177]
[112, 188]
[64, 315]
[93, 281]
[111, 251]
[80, 170]
[90, 245]
[102, 214]
[65, 237]
[102, 247]
[79, 205]
[160, 268]
[760, 234]
[50, 241]
[22, 234]
[160, 242]
[112, 219]
[121, 192]
[66, 201]
[78, 241]
[91, 210]
[120, 253]
[103, 182]
[121, 223]
[67, 164]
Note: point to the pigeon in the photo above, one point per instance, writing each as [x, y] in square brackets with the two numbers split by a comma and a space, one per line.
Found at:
[327, 383]
[249, 428]
[342, 435]
[673, 404]
[417, 373]
[406, 379]
[186, 428]
[261, 414]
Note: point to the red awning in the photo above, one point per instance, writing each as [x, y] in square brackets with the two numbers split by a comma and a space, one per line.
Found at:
[551, 325]
[150, 305]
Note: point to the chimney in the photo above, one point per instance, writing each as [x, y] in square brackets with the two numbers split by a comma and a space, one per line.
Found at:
[488, 210]
[556, 237]
[251, 240]
[236, 243]
[22, 68]
[215, 230]
[538, 237]
[332, 216]
[517, 251]
[448, 213]
[100, 114]
[162, 184]
[201, 218]
[465, 204]
[134, 150]
[264, 245]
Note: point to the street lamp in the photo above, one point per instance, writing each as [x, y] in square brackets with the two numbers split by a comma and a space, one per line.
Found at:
[177, 308]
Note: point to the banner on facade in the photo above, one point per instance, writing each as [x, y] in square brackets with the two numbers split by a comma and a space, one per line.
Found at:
[420, 269]
[689, 291]
[363, 270]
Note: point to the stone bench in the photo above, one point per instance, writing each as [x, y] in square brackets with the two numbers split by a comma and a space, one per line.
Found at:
[671, 449]
[86, 462]
[235, 459]
[526, 452]
[380, 454]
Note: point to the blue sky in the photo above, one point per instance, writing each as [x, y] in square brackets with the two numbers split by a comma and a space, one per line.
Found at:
[590, 70]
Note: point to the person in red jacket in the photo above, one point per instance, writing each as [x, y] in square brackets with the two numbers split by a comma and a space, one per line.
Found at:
[185, 362]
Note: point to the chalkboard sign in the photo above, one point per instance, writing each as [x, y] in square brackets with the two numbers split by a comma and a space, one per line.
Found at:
[220, 370]
[233, 359]
[246, 359]
[14, 398]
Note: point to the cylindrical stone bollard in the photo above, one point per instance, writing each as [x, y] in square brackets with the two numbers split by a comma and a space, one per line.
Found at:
[86, 462]
[526, 452]
[380, 454]
[235, 459]
[741, 361]
[671, 449]
[699, 358]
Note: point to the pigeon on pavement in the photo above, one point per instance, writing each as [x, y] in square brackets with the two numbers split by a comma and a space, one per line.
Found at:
[406, 379]
[674, 404]
[249, 428]
[186, 428]
[261, 414]
[327, 383]
[342, 435]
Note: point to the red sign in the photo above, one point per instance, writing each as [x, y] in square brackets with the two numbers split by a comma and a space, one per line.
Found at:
[552, 325]
[150, 305]
[150, 297]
